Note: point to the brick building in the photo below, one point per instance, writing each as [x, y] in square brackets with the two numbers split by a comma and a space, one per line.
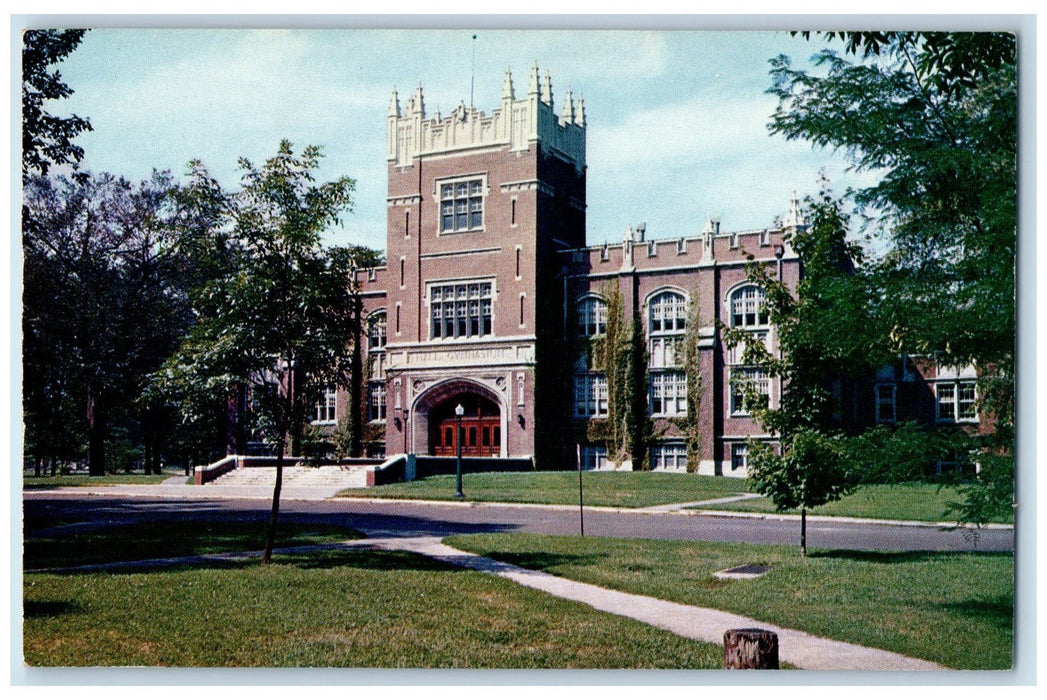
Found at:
[490, 299]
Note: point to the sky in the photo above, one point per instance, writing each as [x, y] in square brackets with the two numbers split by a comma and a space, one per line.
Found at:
[676, 121]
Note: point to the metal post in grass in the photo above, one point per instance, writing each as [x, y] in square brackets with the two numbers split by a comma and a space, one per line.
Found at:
[458, 412]
[581, 510]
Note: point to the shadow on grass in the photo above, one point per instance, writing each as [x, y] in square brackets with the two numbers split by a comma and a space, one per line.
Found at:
[998, 611]
[35, 609]
[363, 558]
[319, 558]
[542, 561]
[895, 557]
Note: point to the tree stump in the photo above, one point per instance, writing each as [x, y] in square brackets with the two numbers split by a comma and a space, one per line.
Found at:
[750, 648]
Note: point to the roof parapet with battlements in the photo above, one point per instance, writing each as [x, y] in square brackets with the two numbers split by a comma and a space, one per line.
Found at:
[711, 247]
[516, 123]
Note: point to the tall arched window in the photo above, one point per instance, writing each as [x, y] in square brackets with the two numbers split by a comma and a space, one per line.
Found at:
[749, 307]
[376, 331]
[376, 338]
[668, 313]
[592, 317]
[667, 317]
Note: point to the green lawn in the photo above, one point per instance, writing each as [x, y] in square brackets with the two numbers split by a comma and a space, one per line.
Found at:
[154, 540]
[912, 501]
[952, 608]
[331, 609]
[620, 489]
[50, 482]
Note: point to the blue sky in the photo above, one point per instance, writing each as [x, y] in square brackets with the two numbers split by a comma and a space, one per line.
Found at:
[676, 120]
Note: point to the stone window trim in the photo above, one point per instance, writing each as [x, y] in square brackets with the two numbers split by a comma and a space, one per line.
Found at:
[376, 401]
[885, 402]
[377, 330]
[460, 309]
[590, 395]
[739, 376]
[592, 316]
[956, 401]
[325, 410]
[747, 306]
[739, 456]
[735, 355]
[669, 456]
[461, 201]
[668, 394]
[666, 311]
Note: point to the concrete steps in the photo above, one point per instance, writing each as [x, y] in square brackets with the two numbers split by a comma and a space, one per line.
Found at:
[330, 477]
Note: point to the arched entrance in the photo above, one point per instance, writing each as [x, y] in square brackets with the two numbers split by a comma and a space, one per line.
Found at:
[481, 434]
[483, 420]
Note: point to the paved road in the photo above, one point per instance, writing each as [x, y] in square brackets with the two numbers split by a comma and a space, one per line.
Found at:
[385, 519]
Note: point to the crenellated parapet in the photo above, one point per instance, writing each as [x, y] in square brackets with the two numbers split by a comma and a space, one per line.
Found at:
[516, 124]
[710, 248]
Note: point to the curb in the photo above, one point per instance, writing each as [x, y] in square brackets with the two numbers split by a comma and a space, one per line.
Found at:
[684, 513]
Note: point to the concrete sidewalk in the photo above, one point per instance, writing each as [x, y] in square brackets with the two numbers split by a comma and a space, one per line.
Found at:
[805, 651]
[800, 649]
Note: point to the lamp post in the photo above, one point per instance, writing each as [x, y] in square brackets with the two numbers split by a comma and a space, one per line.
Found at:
[458, 412]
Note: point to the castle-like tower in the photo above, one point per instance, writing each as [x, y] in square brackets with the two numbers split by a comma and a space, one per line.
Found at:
[478, 207]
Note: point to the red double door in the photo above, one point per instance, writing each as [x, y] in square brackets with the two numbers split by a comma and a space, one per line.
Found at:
[481, 428]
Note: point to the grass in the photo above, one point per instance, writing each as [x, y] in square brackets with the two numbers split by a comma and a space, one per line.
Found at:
[952, 608]
[154, 540]
[331, 609]
[51, 482]
[616, 489]
[911, 501]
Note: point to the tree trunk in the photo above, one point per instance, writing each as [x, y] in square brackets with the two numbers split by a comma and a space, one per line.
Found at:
[750, 649]
[37, 464]
[95, 434]
[803, 531]
[270, 532]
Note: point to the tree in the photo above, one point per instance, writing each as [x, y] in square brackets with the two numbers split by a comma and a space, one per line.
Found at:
[935, 114]
[47, 140]
[101, 309]
[822, 331]
[283, 315]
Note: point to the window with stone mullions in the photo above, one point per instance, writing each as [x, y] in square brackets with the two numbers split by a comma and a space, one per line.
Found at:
[376, 401]
[749, 307]
[592, 317]
[668, 313]
[326, 408]
[376, 332]
[666, 323]
[461, 206]
[590, 395]
[460, 310]
[957, 401]
[742, 378]
[668, 394]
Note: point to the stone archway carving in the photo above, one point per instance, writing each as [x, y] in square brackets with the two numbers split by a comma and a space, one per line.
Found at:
[445, 390]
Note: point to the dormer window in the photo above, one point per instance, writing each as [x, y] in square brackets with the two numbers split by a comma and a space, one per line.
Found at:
[461, 205]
